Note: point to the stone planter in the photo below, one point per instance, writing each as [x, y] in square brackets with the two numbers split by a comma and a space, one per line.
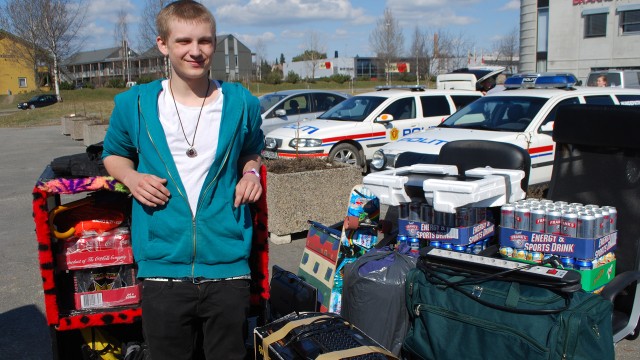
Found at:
[77, 127]
[319, 195]
[93, 133]
[67, 121]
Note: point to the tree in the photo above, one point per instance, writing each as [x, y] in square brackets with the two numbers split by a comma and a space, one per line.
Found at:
[121, 37]
[418, 51]
[314, 53]
[448, 52]
[60, 22]
[508, 48]
[260, 51]
[387, 40]
[21, 18]
[282, 60]
[147, 29]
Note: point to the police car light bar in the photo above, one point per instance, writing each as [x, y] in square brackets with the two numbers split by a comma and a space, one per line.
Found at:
[540, 81]
[401, 87]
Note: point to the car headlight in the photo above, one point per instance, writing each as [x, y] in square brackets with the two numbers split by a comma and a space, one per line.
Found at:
[270, 143]
[378, 161]
[301, 142]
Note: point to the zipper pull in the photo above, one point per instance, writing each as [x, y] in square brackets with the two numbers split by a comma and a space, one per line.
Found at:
[410, 289]
[416, 310]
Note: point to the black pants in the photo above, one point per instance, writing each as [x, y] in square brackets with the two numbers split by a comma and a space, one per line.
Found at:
[176, 314]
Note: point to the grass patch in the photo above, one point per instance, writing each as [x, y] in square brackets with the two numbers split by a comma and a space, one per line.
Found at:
[98, 103]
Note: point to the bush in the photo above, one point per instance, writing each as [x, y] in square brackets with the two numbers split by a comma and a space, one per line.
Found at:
[340, 78]
[273, 78]
[65, 85]
[115, 83]
[145, 79]
[292, 77]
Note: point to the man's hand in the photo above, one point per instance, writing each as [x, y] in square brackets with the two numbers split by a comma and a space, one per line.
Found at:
[248, 189]
[148, 189]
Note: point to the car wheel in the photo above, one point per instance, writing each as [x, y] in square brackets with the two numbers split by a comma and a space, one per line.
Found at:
[346, 153]
[32, 106]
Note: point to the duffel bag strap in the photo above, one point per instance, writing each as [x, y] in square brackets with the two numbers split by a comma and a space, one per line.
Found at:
[433, 276]
[357, 351]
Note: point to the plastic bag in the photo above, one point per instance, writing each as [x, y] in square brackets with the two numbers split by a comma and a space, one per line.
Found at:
[374, 295]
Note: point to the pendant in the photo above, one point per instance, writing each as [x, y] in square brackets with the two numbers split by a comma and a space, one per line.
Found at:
[191, 152]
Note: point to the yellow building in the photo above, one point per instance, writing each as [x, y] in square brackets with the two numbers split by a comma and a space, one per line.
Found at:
[16, 73]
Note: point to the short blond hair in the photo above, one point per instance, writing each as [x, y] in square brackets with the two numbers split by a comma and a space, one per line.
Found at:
[183, 10]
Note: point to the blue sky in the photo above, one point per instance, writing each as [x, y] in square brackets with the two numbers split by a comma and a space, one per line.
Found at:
[283, 26]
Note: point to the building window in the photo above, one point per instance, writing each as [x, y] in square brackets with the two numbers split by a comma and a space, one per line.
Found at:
[630, 21]
[22, 82]
[595, 25]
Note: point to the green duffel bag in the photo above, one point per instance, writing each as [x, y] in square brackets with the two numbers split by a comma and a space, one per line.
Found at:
[459, 316]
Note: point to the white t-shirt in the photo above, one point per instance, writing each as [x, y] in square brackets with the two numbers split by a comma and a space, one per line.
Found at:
[194, 170]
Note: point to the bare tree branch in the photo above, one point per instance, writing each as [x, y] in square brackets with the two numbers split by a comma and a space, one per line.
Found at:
[147, 30]
[21, 18]
[60, 22]
[387, 40]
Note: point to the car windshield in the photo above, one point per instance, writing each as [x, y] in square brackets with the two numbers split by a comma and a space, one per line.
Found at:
[497, 113]
[356, 108]
[36, 98]
[269, 100]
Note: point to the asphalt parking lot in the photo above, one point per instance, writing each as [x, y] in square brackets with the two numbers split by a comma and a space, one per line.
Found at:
[25, 154]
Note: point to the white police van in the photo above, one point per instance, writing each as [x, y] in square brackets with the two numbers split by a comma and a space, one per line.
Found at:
[523, 114]
[353, 130]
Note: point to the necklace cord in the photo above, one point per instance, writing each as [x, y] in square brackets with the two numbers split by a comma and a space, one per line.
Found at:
[193, 141]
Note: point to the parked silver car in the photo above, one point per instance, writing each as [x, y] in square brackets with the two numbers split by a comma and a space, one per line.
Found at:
[289, 106]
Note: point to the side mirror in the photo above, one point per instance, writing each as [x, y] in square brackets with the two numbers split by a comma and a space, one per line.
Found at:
[384, 118]
[547, 128]
[281, 112]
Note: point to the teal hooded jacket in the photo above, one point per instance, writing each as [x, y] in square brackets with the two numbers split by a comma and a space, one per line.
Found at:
[171, 241]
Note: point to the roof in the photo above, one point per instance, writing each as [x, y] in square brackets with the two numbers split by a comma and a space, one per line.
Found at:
[304, 91]
[94, 56]
[575, 91]
[400, 92]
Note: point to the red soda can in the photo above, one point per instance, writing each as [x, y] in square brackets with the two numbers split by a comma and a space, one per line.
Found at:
[522, 218]
[465, 217]
[538, 220]
[587, 225]
[613, 218]
[570, 224]
[553, 222]
[606, 221]
[507, 219]
[599, 231]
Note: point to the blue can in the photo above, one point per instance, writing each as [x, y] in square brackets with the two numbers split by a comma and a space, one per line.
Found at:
[435, 243]
[568, 262]
[584, 264]
[447, 246]
[402, 240]
[414, 245]
[459, 248]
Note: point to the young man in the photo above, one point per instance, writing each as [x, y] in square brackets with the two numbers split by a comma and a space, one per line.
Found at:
[188, 150]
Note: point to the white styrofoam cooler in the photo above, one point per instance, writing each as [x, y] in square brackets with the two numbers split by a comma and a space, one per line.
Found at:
[483, 187]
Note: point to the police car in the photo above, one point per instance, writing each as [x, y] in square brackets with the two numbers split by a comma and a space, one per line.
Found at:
[351, 131]
[523, 114]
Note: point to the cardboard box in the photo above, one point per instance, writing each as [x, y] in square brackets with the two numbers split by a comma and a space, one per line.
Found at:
[558, 244]
[457, 236]
[590, 280]
[108, 298]
[308, 335]
[95, 259]
[106, 287]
